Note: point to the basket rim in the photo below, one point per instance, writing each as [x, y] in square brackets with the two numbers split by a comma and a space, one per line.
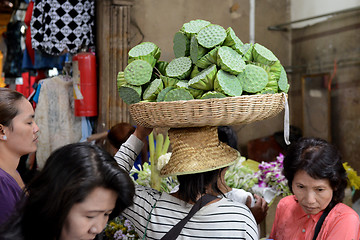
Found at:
[225, 99]
[208, 112]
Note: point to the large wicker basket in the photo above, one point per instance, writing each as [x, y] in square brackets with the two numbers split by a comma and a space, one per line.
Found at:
[208, 112]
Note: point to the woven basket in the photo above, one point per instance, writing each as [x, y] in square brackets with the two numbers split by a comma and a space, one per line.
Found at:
[208, 112]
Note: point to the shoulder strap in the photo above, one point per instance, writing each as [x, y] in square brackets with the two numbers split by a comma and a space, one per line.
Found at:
[175, 231]
[320, 222]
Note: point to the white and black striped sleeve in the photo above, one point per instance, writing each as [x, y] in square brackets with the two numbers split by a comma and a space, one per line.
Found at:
[128, 152]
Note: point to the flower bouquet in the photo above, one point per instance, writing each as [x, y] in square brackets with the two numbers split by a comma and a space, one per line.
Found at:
[120, 228]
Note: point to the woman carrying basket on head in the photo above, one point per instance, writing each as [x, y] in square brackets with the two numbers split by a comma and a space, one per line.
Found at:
[199, 209]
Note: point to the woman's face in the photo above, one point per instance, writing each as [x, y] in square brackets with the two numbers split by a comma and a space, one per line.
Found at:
[88, 218]
[314, 195]
[22, 136]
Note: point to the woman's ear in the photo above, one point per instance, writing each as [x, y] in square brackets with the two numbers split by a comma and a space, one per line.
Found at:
[2, 133]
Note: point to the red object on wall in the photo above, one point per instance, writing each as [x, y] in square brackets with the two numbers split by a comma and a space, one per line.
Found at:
[86, 63]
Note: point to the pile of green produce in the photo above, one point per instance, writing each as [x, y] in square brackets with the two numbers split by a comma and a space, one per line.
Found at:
[210, 62]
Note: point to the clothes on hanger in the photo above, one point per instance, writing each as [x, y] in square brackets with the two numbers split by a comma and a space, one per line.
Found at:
[62, 26]
[54, 114]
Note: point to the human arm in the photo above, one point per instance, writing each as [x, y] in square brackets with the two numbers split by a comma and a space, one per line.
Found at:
[97, 136]
[128, 151]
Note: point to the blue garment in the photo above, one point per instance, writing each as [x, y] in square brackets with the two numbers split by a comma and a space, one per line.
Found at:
[86, 129]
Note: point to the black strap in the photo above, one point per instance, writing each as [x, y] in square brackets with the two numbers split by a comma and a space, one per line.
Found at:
[320, 223]
[175, 231]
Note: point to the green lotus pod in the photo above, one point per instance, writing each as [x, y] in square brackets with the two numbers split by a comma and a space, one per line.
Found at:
[149, 59]
[211, 36]
[179, 68]
[196, 93]
[272, 82]
[263, 55]
[205, 79]
[120, 80]
[283, 81]
[253, 79]
[178, 94]
[276, 68]
[138, 72]
[247, 50]
[130, 94]
[196, 51]
[145, 49]
[161, 66]
[208, 59]
[195, 71]
[212, 94]
[227, 83]
[229, 60]
[267, 91]
[181, 45]
[168, 81]
[161, 95]
[231, 39]
[193, 27]
[153, 90]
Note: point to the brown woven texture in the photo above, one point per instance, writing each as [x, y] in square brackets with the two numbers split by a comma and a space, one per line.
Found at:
[208, 112]
[197, 149]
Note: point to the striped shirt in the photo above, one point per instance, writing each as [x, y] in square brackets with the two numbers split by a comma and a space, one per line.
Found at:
[224, 219]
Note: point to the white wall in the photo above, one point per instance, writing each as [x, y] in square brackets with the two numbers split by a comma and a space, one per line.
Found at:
[301, 9]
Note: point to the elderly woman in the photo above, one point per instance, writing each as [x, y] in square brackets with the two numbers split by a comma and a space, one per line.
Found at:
[318, 180]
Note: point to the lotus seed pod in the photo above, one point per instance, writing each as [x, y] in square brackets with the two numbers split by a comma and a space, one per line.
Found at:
[212, 94]
[196, 51]
[150, 59]
[138, 72]
[153, 90]
[168, 81]
[263, 55]
[193, 27]
[205, 79]
[182, 84]
[253, 79]
[196, 70]
[208, 59]
[196, 93]
[179, 68]
[231, 39]
[178, 94]
[161, 66]
[230, 61]
[211, 36]
[130, 94]
[161, 95]
[227, 83]
[145, 49]
[120, 80]
[181, 45]
[283, 81]
[247, 50]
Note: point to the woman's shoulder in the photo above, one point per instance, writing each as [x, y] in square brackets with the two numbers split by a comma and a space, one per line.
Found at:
[342, 210]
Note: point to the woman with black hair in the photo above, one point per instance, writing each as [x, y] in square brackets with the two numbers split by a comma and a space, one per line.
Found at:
[18, 137]
[317, 178]
[198, 210]
[73, 196]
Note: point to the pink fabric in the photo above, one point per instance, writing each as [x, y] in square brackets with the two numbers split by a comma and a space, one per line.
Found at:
[291, 222]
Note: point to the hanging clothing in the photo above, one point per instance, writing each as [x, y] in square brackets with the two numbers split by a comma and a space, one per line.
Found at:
[54, 114]
[59, 26]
